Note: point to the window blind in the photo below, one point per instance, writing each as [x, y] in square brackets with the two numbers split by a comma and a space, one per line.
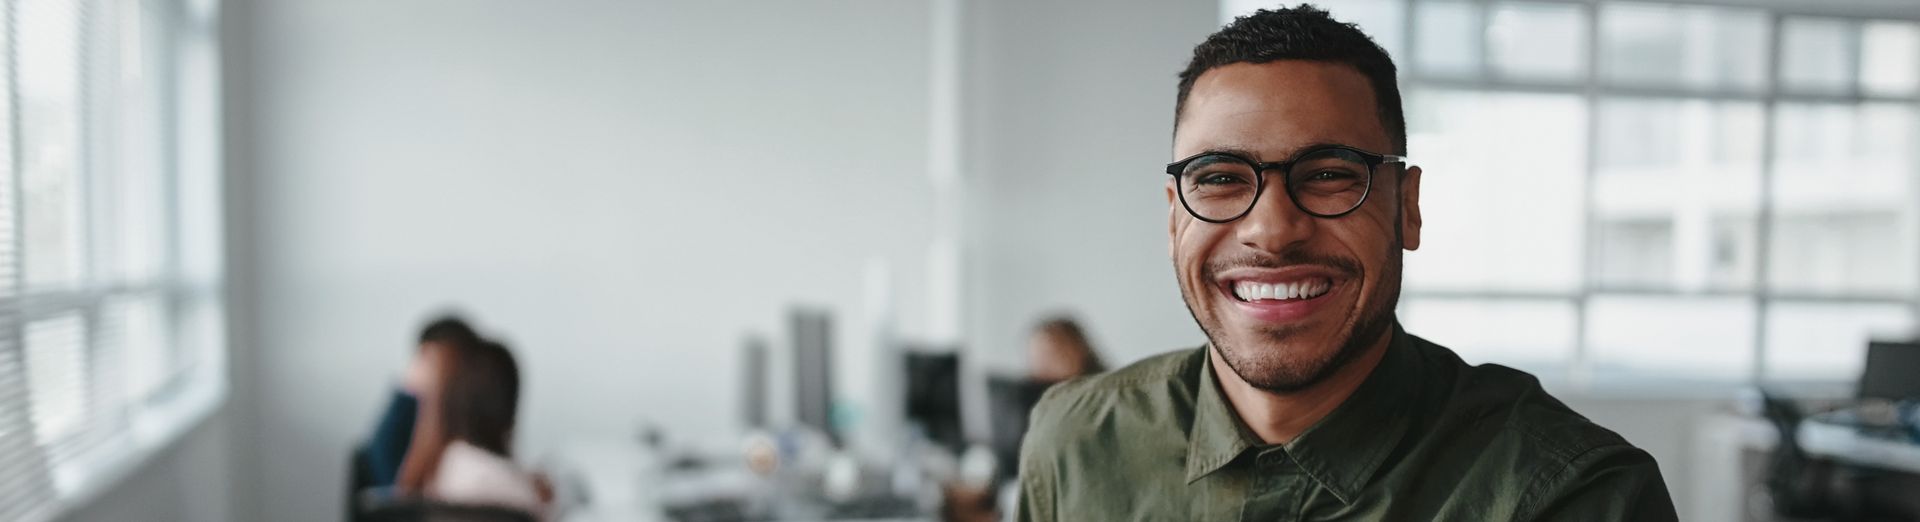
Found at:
[102, 330]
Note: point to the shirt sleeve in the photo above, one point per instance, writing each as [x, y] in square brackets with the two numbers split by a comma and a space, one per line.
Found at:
[1038, 468]
[1615, 483]
[387, 448]
[1036, 498]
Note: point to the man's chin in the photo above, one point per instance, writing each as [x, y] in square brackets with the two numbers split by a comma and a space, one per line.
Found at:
[1280, 361]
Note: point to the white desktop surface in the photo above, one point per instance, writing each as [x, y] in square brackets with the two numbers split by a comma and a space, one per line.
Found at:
[625, 483]
[1845, 443]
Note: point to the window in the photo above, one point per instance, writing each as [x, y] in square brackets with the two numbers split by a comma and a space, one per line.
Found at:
[1635, 191]
[110, 313]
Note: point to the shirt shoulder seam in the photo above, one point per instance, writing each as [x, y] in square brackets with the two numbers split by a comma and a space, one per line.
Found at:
[1531, 502]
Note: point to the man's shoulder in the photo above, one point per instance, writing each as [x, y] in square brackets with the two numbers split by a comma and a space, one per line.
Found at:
[1154, 389]
[1151, 372]
[1533, 430]
[1515, 398]
[1554, 453]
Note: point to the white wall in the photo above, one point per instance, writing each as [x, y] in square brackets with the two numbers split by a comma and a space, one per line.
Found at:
[190, 480]
[620, 189]
[1070, 117]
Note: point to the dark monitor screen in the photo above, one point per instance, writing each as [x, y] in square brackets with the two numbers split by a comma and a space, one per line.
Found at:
[753, 383]
[1011, 400]
[1892, 371]
[933, 396]
[812, 332]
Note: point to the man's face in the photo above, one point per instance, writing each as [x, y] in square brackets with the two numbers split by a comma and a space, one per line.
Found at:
[1273, 111]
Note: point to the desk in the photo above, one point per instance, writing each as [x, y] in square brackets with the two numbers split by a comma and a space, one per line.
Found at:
[1822, 437]
[1731, 452]
[623, 481]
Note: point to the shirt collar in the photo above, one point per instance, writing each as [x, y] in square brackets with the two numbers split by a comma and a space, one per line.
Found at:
[1343, 450]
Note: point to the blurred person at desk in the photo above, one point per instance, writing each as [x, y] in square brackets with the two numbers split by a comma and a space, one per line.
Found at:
[1057, 351]
[386, 449]
[463, 453]
[1288, 207]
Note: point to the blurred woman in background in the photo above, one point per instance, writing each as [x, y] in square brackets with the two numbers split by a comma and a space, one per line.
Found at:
[466, 445]
[1059, 350]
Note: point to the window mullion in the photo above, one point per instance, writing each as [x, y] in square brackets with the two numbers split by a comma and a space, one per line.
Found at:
[1763, 241]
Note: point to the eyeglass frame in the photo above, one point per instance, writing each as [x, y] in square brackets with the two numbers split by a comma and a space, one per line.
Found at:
[1373, 162]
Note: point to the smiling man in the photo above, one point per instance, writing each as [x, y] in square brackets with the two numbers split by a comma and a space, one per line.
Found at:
[1288, 207]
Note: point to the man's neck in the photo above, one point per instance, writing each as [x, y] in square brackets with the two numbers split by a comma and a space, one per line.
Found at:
[1278, 418]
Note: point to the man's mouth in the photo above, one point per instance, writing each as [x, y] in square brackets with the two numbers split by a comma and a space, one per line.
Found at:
[1280, 296]
[1257, 291]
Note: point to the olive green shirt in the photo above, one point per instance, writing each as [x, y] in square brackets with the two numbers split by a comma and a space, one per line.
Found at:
[1425, 437]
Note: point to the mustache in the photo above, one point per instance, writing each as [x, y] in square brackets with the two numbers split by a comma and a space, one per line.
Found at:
[1295, 256]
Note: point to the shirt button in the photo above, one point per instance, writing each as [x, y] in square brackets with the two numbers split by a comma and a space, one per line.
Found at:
[1271, 458]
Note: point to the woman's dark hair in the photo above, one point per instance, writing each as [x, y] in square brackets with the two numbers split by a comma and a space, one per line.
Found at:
[481, 397]
[448, 330]
[1067, 329]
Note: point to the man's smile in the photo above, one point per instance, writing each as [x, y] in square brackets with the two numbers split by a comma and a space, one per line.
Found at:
[1280, 296]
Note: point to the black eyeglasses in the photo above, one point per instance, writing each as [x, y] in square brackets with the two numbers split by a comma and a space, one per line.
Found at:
[1327, 181]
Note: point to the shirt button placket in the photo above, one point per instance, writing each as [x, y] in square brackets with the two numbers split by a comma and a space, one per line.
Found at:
[1276, 488]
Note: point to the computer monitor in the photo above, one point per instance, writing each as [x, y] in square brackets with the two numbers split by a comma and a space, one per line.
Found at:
[812, 331]
[1892, 371]
[753, 382]
[1010, 400]
[933, 396]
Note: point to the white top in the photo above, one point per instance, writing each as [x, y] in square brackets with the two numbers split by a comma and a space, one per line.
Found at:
[474, 476]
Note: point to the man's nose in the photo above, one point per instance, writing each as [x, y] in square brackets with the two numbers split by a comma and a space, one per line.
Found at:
[1275, 222]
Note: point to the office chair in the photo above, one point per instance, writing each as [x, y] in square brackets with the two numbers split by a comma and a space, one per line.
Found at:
[359, 478]
[413, 510]
[365, 507]
[1798, 485]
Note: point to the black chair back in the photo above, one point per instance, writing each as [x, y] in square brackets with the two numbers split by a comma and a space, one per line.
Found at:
[425, 511]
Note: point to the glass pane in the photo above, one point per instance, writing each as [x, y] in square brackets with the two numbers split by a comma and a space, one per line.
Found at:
[197, 205]
[50, 136]
[1668, 337]
[1828, 340]
[1683, 46]
[57, 376]
[132, 327]
[1502, 193]
[200, 335]
[1533, 335]
[1447, 37]
[1845, 218]
[1676, 193]
[1890, 58]
[1543, 41]
[1816, 55]
[9, 257]
[130, 250]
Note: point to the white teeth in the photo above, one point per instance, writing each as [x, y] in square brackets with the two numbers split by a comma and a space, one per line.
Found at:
[1252, 291]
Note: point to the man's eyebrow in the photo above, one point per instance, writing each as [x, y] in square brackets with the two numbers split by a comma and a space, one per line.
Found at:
[1291, 154]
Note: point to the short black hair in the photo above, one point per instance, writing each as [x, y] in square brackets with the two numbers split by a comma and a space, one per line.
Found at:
[448, 330]
[1301, 33]
[481, 397]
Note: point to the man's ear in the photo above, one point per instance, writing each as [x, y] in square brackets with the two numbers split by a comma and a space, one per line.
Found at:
[1410, 209]
[1173, 216]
